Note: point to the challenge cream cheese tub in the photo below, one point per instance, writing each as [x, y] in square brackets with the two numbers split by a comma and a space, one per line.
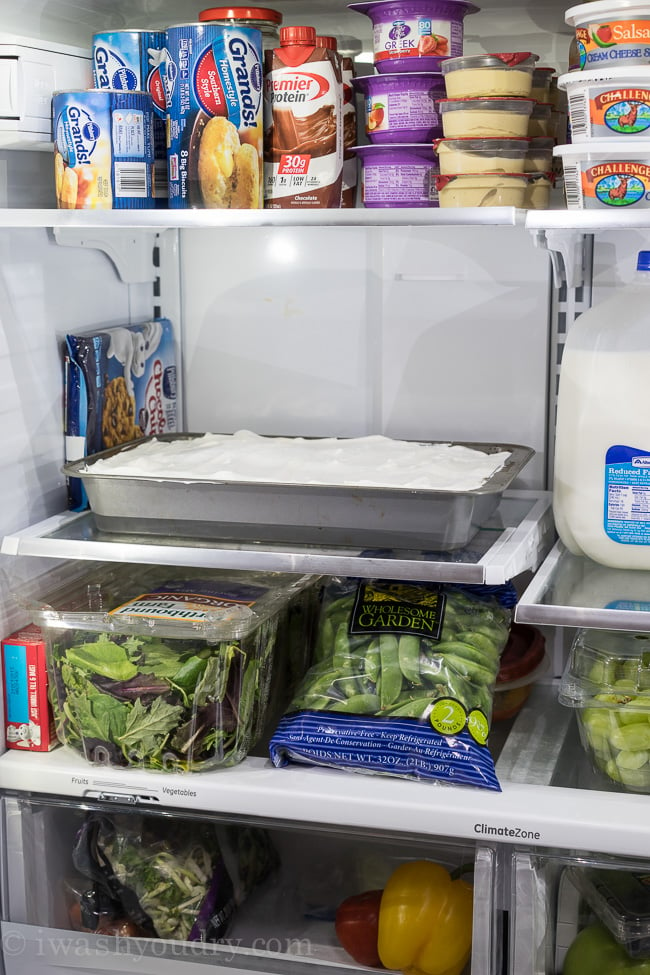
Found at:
[482, 190]
[497, 118]
[611, 33]
[608, 103]
[481, 155]
[491, 75]
[606, 173]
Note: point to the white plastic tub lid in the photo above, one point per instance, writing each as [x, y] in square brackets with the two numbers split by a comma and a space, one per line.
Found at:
[639, 76]
[609, 148]
[586, 13]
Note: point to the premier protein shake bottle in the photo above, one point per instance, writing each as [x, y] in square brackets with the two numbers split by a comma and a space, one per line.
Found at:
[303, 139]
[350, 162]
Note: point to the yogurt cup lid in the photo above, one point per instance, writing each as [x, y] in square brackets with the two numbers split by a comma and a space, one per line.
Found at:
[418, 6]
[605, 9]
[609, 148]
[474, 144]
[517, 105]
[397, 148]
[639, 75]
[366, 81]
[241, 13]
[522, 58]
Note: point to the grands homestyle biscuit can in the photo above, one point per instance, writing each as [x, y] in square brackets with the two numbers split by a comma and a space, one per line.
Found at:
[132, 60]
[215, 132]
[103, 150]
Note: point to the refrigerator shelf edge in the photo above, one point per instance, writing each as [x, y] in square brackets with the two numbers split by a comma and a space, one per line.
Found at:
[516, 539]
[572, 591]
[523, 814]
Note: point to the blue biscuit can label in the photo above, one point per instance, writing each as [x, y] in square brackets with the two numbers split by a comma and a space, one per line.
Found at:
[103, 150]
[133, 60]
[213, 82]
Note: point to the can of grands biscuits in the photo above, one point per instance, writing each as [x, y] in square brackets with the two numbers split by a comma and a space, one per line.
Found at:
[133, 60]
[215, 131]
[103, 150]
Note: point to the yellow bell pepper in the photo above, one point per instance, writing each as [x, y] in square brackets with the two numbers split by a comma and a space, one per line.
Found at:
[425, 920]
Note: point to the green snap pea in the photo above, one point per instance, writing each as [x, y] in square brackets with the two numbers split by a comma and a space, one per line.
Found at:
[479, 641]
[358, 704]
[325, 640]
[372, 661]
[472, 671]
[391, 675]
[408, 653]
[461, 649]
[410, 709]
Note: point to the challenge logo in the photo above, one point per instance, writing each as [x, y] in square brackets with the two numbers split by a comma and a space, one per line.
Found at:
[76, 135]
[627, 117]
[620, 190]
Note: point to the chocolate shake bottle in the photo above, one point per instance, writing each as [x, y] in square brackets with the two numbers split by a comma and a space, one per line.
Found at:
[350, 162]
[303, 141]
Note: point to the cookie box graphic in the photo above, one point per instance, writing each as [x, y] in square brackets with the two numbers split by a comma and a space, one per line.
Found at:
[214, 86]
[29, 722]
[103, 150]
[133, 60]
[120, 384]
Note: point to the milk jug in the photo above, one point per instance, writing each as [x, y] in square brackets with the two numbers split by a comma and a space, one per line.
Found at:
[601, 491]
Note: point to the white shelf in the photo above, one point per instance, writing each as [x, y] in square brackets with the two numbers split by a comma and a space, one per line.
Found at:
[536, 812]
[572, 591]
[514, 540]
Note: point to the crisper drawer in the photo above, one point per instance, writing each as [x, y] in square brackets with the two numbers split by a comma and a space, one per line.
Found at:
[578, 914]
[110, 889]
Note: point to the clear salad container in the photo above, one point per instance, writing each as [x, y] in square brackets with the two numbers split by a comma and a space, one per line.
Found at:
[607, 682]
[481, 155]
[166, 668]
[620, 899]
[497, 118]
[491, 75]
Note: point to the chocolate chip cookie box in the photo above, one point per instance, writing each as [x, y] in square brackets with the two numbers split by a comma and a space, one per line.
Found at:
[120, 385]
[213, 86]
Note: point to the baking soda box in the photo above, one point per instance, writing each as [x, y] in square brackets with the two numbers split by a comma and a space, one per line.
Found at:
[29, 723]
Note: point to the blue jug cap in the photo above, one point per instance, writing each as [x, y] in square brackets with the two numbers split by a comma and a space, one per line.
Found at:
[643, 261]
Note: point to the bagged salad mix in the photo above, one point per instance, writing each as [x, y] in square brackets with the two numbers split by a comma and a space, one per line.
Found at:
[402, 683]
[166, 878]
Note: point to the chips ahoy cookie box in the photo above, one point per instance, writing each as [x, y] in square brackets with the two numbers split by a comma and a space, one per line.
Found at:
[120, 384]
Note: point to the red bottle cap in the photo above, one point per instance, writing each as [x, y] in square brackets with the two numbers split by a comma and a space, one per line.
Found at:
[241, 13]
[328, 42]
[297, 35]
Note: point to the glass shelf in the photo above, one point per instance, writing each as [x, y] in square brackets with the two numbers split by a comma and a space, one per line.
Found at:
[572, 591]
[515, 539]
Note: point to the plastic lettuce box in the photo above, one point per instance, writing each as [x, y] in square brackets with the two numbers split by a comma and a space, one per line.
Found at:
[607, 681]
[169, 668]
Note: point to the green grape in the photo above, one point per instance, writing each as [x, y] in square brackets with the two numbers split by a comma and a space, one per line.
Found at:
[637, 779]
[612, 770]
[632, 760]
[631, 737]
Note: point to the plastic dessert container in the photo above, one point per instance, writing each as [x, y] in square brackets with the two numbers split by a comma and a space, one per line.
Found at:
[497, 118]
[538, 191]
[541, 88]
[611, 32]
[169, 669]
[539, 157]
[607, 682]
[606, 173]
[608, 103]
[398, 176]
[541, 122]
[401, 107]
[481, 155]
[523, 661]
[482, 190]
[415, 35]
[490, 75]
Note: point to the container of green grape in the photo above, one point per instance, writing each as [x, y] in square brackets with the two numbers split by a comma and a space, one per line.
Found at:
[607, 681]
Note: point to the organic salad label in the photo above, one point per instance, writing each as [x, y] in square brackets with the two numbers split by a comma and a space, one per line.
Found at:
[627, 495]
[189, 600]
[618, 42]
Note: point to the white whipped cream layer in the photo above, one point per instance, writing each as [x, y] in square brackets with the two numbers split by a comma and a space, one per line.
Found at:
[373, 461]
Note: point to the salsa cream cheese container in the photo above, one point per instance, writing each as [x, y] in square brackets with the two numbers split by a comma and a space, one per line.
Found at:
[611, 32]
[608, 103]
[214, 92]
[606, 173]
[103, 150]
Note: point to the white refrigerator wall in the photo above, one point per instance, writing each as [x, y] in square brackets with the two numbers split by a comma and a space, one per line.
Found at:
[429, 334]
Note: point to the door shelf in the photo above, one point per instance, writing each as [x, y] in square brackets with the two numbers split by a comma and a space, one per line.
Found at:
[542, 770]
[572, 591]
[515, 539]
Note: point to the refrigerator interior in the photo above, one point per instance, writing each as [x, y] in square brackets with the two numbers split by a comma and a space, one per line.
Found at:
[288, 882]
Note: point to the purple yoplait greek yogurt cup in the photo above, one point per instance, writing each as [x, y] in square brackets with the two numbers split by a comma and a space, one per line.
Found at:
[415, 35]
[401, 107]
[398, 175]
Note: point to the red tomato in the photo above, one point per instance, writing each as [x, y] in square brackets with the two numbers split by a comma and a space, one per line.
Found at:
[357, 927]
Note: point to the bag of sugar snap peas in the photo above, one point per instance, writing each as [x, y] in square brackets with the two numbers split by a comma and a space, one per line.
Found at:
[402, 681]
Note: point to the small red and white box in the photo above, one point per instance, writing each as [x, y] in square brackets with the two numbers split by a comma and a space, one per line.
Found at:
[29, 722]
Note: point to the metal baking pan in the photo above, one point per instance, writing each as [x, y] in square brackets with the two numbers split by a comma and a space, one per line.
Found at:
[370, 517]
